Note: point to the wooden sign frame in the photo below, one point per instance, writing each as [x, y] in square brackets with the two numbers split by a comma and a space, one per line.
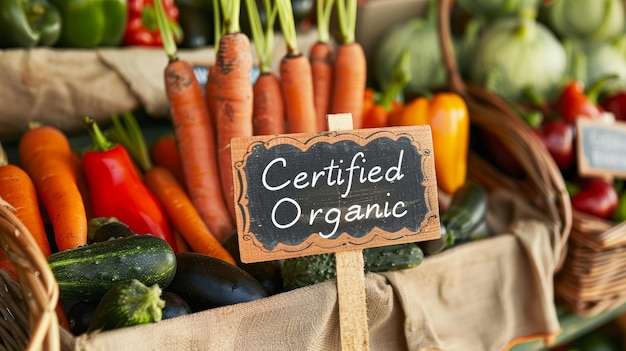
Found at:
[601, 148]
[245, 152]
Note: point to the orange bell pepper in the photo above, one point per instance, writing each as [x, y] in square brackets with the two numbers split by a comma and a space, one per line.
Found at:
[448, 117]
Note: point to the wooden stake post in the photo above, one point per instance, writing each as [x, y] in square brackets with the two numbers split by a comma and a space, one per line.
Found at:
[335, 192]
[350, 279]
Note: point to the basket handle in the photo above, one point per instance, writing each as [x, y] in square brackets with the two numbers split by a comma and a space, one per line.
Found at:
[455, 82]
[546, 178]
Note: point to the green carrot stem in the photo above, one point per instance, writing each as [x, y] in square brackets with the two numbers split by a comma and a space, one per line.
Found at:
[288, 26]
[231, 10]
[323, 11]
[169, 44]
[127, 133]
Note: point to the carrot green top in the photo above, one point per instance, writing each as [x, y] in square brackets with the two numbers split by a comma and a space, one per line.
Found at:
[288, 26]
[346, 16]
[230, 11]
[169, 45]
[263, 39]
[324, 10]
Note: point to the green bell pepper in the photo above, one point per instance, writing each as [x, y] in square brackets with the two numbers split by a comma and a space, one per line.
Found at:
[27, 23]
[92, 23]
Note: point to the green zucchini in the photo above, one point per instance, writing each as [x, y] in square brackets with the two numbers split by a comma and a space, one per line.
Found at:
[466, 212]
[87, 272]
[127, 303]
[307, 270]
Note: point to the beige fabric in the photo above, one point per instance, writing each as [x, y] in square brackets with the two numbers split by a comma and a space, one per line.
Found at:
[56, 87]
[478, 296]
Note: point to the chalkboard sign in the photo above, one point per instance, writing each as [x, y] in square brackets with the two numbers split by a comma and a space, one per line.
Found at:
[601, 148]
[303, 194]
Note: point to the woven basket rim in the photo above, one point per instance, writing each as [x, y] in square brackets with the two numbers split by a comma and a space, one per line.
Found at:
[36, 280]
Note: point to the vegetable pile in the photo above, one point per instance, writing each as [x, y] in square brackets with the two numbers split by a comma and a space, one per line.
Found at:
[138, 232]
[83, 24]
[554, 63]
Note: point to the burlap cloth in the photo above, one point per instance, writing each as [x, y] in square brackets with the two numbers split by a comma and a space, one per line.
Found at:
[479, 296]
[56, 87]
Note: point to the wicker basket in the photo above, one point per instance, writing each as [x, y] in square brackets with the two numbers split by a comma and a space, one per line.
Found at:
[592, 275]
[28, 308]
[541, 182]
[593, 279]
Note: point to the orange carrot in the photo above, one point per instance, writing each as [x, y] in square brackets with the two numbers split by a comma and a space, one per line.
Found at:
[268, 115]
[210, 94]
[269, 109]
[321, 57]
[296, 77]
[164, 152]
[233, 113]
[46, 156]
[195, 136]
[211, 87]
[350, 69]
[181, 244]
[183, 214]
[81, 182]
[322, 72]
[17, 188]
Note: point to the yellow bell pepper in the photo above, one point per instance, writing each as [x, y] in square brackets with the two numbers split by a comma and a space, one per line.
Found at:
[448, 117]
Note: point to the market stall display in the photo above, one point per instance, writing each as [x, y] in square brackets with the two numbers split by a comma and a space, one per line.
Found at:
[515, 238]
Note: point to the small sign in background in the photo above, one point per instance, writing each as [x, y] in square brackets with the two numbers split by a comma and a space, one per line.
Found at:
[601, 148]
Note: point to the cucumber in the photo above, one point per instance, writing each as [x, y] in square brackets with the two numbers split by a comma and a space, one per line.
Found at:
[308, 270]
[87, 272]
[466, 212]
[206, 282]
[127, 303]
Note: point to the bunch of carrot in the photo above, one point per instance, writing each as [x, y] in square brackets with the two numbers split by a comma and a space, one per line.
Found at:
[297, 99]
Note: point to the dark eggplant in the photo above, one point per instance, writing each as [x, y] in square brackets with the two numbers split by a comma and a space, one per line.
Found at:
[267, 272]
[206, 282]
[174, 305]
[79, 316]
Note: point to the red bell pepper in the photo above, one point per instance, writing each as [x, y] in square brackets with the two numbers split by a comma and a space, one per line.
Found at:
[597, 197]
[142, 26]
[559, 137]
[117, 190]
[616, 104]
[575, 102]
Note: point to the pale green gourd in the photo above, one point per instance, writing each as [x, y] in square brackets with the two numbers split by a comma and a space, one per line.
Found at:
[496, 8]
[586, 20]
[421, 37]
[517, 53]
